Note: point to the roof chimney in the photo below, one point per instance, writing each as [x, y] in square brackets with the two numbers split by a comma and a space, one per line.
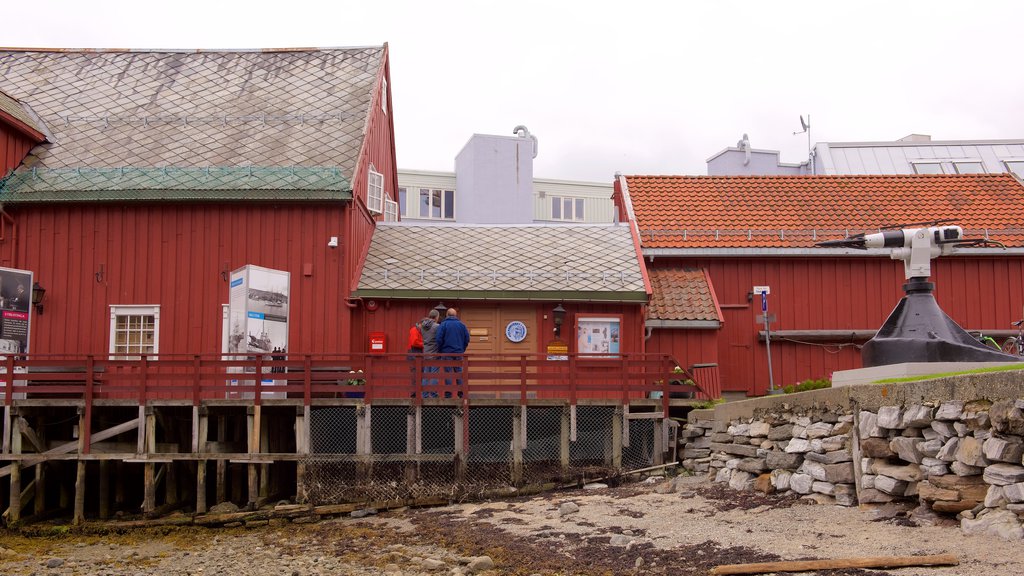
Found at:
[916, 138]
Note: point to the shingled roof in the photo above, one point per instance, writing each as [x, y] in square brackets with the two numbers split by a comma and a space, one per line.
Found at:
[163, 114]
[680, 212]
[560, 262]
[682, 298]
[13, 109]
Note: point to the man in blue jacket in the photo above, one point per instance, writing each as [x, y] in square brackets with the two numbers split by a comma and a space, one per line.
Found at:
[452, 340]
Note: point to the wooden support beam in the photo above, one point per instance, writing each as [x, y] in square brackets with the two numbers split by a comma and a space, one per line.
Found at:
[79, 514]
[838, 564]
[149, 468]
[615, 457]
[104, 502]
[459, 427]
[659, 442]
[411, 467]
[72, 446]
[625, 425]
[200, 434]
[564, 444]
[518, 442]
[263, 447]
[39, 502]
[30, 435]
[14, 509]
[253, 420]
[222, 465]
[302, 446]
[8, 424]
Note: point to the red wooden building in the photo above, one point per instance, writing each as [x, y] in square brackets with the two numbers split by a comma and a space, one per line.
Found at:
[142, 178]
[730, 234]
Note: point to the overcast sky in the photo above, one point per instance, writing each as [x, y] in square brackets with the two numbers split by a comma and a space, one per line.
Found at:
[636, 87]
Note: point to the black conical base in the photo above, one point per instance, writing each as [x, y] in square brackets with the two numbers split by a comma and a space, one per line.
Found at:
[919, 331]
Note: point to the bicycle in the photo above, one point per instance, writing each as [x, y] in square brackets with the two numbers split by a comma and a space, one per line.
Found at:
[1015, 344]
[986, 340]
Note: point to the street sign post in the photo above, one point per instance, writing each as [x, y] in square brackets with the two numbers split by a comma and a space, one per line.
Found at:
[766, 318]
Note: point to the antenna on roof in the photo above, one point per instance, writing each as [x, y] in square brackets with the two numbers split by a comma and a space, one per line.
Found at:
[807, 129]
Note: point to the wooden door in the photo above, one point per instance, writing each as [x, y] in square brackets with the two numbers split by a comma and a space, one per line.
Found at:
[487, 327]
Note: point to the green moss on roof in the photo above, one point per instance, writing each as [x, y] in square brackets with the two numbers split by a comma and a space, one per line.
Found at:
[213, 183]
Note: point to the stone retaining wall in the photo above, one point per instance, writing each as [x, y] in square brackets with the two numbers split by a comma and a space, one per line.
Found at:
[955, 445]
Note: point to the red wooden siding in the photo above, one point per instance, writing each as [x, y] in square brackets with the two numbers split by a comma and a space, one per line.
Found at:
[980, 293]
[89, 257]
[378, 149]
[395, 317]
[689, 347]
[14, 146]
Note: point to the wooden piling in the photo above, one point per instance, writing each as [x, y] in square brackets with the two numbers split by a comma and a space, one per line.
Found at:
[302, 447]
[14, 508]
[79, 514]
[104, 484]
[222, 465]
[39, 501]
[518, 442]
[563, 445]
[200, 431]
[149, 468]
[253, 420]
[615, 458]
[459, 424]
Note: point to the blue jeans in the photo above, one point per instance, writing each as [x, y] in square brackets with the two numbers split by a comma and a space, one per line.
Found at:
[430, 382]
[450, 369]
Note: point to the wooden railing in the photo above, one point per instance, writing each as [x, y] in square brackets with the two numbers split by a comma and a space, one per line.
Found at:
[200, 377]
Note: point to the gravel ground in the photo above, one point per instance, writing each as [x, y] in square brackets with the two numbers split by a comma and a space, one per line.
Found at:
[631, 529]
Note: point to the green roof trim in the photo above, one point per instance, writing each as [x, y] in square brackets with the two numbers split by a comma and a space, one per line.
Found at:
[212, 183]
[548, 295]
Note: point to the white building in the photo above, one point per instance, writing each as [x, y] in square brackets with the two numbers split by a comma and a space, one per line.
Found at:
[913, 154]
[493, 183]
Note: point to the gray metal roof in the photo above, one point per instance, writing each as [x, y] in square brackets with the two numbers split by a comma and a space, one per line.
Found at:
[503, 262]
[11, 106]
[151, 109]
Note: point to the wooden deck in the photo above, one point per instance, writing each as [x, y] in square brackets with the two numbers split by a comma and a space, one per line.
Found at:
[192, 416]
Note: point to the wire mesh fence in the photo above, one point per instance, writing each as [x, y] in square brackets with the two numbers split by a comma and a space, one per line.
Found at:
[460, 452]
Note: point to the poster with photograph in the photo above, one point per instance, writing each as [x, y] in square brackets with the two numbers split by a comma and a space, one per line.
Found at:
[258, 303]
[258, 310]
[15, 310]
[597, 335]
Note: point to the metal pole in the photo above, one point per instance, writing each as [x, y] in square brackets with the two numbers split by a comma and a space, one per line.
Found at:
[768, 341]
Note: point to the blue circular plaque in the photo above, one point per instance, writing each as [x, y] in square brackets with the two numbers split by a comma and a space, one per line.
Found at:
[515, 331]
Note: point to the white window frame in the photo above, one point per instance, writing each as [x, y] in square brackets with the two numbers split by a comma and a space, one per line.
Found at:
[116, 311]
[576, 216]
[978, 161]
[444, 203]
[375, 191]
[390, 210]
[384, 95]
[942, 169]
[403, 201]
[1006, 165]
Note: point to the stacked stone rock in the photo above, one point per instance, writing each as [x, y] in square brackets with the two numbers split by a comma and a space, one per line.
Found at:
[783, 452]
[954, 457]
[695, 444]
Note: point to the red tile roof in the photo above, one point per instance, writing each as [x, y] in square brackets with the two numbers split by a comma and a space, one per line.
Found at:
[797, 211]
[682, 294]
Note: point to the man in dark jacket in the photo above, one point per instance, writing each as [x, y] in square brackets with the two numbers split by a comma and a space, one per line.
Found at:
[452, 340]
[429, 326]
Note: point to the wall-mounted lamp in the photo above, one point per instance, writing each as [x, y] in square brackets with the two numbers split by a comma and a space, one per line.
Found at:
[558, 315]
[441, 309]
[99, 274]
[38, 293]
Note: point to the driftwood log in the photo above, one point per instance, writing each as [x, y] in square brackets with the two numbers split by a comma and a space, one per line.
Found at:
[837, 564]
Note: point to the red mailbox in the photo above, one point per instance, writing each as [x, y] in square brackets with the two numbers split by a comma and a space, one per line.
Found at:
[378, 343]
